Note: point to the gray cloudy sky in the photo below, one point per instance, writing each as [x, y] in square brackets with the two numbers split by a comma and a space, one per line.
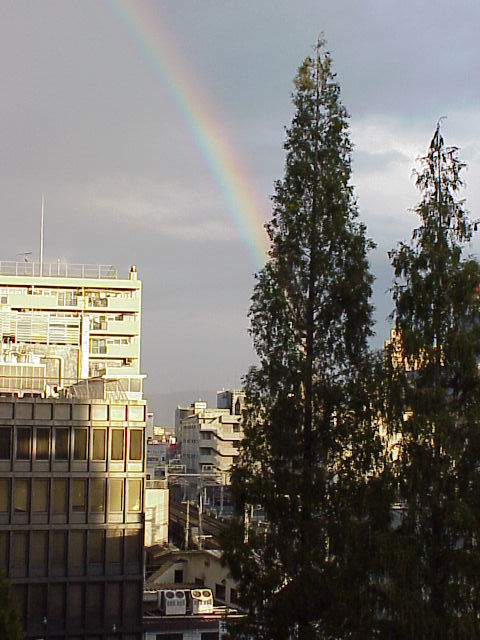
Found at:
[85, 119]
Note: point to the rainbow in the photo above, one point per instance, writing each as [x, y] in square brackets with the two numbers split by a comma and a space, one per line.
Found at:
[142, 21]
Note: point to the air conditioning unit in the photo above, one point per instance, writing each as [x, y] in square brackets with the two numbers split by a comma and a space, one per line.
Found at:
[202, 601]
[173, 603]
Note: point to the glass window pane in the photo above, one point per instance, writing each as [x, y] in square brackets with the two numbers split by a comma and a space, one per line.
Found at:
[95, 546]
[43, 444]
[59, 547]
[79, 495]
[114, 546]
[117, 444]
[20, 495]
[136, 438]
[4, 495]
[99, 444]
[40, 495]
[61, 444]
[5, 443]
[24, 435]
[97, 494]
[116, 494]
[59, 495]
[19, 548]
[80, 444]
[134, 495]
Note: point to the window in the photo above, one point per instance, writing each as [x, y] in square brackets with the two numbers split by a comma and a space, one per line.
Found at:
[116, 494]
[21, 495]
[59, 547]
[5, 443]
[4, 495]
[134, 495]
[95, 547]
[39, 551]
[117, 444]
[79, 494]
[42, 444]
[136, 441]
[114, 547]
[220, 591]
[75, 603]
[99, 444]
[95, 601]
[4, 552]
[178, 576]
[40, 495]
[24, 436]
[61, 444]
[98, 346]
[80, 444]
[19, 548]
[97, 495]
[76, 553]
[59, 495]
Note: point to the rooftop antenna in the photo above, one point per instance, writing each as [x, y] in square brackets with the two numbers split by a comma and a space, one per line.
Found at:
[41, 236]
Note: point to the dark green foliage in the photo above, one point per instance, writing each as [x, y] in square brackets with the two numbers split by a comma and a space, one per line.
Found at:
[310, 457]
[435, 406]
[10, 628]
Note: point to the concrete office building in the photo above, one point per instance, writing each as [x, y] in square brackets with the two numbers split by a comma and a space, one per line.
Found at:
[72, 450]
[71, 514]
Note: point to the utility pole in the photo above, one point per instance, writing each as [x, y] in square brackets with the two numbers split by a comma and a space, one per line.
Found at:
[187, 525]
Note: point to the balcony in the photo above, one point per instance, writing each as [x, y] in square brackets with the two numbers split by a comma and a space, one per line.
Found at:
[117, 328]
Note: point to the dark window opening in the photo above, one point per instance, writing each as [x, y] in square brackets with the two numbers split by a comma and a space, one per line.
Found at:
[42, 444]
[24, 437]
[5, 443]
[61, 444]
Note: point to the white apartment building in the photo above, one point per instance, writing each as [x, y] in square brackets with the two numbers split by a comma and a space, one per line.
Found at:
[80, 321]
[209, 437]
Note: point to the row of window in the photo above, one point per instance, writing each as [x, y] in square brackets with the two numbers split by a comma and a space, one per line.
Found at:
[44, 495]
[61, 442]
[53, 606]
[67, 552]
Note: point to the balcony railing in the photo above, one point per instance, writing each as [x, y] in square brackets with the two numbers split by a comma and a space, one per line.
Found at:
[58, 270]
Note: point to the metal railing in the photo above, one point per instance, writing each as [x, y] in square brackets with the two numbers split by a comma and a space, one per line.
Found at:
[58, 270]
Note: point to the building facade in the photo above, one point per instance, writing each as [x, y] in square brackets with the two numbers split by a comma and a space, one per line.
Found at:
[71, 515]
[83, 321]
[209, 437]
[72, 450]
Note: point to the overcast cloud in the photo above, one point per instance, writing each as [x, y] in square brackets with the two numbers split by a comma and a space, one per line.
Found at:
[84, 120]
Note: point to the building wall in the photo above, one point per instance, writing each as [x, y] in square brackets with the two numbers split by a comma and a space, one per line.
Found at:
[109, 308]
[71, 515]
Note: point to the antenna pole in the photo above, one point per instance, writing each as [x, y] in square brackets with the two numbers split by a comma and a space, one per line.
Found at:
[41, 236]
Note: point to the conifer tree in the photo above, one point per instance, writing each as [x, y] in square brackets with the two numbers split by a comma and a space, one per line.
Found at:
[310, 452]
[435, 394]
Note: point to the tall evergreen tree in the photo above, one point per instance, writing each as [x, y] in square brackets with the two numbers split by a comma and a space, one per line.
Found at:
[310, 449]
[435, 392]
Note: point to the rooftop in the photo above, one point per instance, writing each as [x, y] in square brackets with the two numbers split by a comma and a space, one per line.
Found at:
[57, 270]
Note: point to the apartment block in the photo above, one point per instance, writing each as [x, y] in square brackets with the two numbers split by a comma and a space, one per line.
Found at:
[82, 321]
[209, 437]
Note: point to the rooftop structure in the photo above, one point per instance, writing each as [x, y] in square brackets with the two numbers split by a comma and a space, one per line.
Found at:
[85, 316]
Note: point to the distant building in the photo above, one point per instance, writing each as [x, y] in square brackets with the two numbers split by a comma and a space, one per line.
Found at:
[208, 437]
